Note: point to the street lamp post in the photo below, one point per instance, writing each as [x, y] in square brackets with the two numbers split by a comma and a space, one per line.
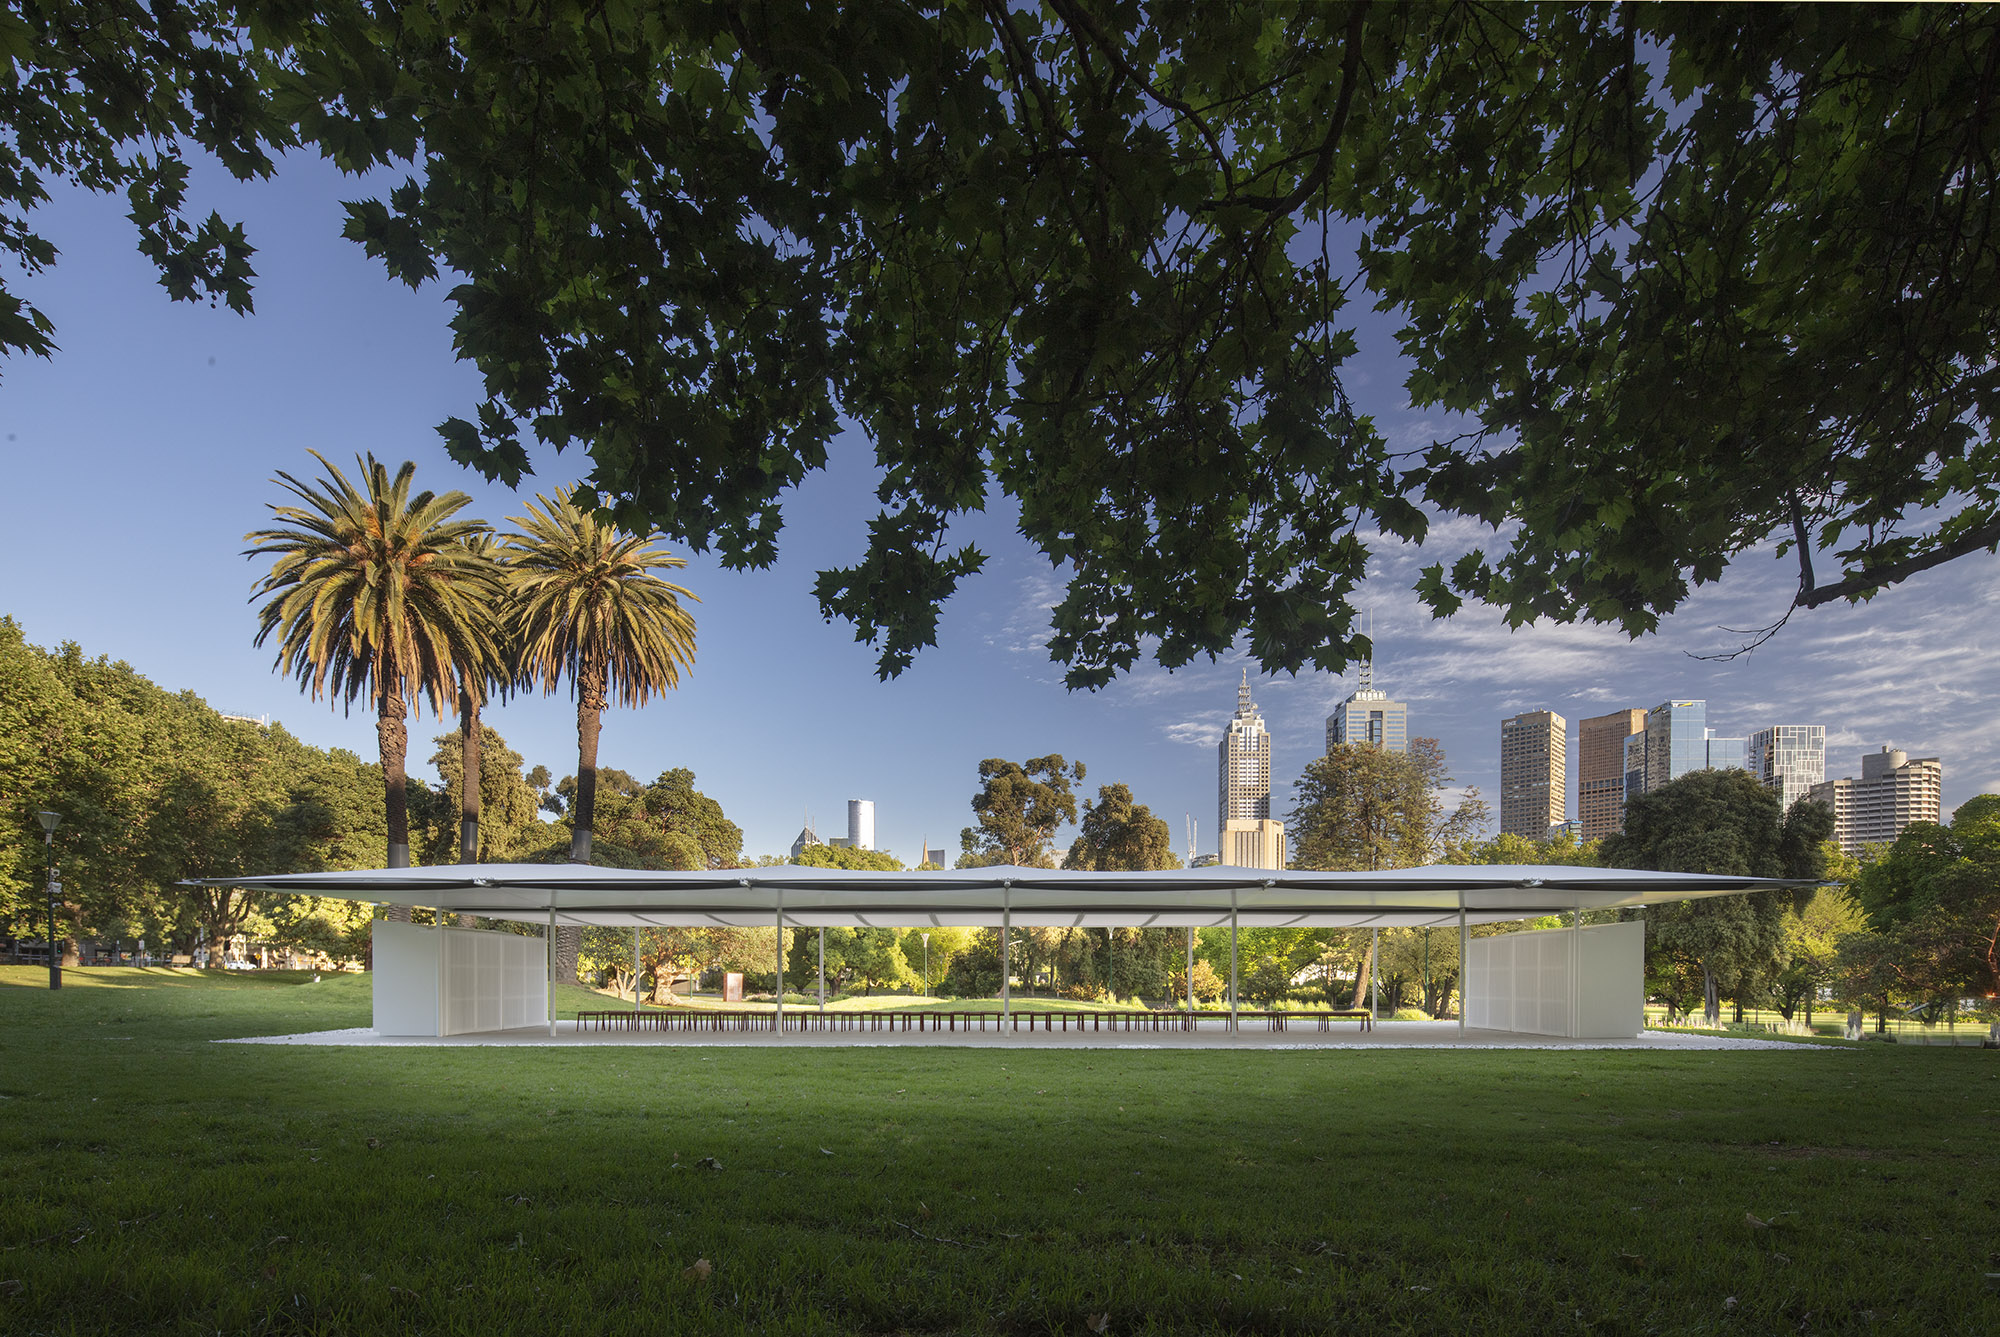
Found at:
[927, 965]
[50, 821]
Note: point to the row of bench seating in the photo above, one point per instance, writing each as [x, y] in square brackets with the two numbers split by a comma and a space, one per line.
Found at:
[811, 1019]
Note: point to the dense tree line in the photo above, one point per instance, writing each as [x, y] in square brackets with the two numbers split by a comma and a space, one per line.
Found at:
[156, 786]
[1932, 902]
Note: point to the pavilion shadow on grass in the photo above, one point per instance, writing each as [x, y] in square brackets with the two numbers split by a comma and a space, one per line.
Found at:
[1583, 983]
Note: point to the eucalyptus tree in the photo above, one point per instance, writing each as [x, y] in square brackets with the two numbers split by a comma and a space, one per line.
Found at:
[1019, 806]
[374, 591]
[1117, 833]
[586, 607]
[1363, 807]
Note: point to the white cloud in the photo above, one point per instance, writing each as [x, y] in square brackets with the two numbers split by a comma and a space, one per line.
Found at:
[1203, 730]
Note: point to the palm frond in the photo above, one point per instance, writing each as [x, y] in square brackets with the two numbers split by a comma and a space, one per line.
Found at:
[586, 605]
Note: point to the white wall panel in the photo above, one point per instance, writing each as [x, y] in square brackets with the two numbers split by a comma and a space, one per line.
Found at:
[1523, 982]
[481, 980]
[1611, 986]
[405, 979]
[496, 981]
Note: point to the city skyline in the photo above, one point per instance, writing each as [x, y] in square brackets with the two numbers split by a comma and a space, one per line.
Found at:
[783, 712]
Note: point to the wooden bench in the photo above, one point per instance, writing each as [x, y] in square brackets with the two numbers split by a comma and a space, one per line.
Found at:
[810, 1019]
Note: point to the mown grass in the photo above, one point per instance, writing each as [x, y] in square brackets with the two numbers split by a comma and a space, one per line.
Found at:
[157, 1182]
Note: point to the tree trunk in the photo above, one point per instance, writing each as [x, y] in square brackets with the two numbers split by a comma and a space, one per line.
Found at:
[1362, 977]
[469, 741]
[589, 722]
[1711, 1005]
[569, 947]
[394, 739]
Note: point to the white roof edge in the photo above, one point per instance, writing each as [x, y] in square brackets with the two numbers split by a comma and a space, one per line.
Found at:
[974, 895]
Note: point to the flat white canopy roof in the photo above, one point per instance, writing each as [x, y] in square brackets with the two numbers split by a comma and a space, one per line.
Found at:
[837, 898]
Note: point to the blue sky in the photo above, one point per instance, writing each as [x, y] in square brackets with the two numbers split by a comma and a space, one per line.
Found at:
[141, 454]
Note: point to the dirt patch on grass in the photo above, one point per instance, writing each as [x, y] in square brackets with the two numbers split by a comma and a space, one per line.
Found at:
[1788, 1151]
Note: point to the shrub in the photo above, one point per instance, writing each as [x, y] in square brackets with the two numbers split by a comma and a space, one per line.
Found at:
[1411, 1014]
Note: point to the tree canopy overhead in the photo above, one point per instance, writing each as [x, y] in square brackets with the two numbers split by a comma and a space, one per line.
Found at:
[1697, 278]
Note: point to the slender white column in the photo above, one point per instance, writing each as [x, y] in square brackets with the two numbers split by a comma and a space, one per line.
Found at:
[1374, 975]
[443, 972]
[635, 967]
[1006, 940]
[822, 969]
[1576, 972]
[1464, 965]
[779, 1025]
[1190, 967]
[1232, 960]
[552, 970]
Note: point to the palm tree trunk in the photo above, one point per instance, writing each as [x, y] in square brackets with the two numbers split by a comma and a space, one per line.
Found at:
[394, 738]
[469, 730]
[583, 813]
[471, 734]
[589, 722]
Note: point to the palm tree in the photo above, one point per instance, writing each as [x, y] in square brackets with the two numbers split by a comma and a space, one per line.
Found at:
[491, 670]
[374, 591]
[586, 606]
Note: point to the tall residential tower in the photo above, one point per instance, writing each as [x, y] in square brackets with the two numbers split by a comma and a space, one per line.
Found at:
[1534, 773]
[861, 823]
[1894, 790]
[1790, 758]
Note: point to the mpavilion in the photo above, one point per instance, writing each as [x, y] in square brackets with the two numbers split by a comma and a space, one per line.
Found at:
[1579, 982]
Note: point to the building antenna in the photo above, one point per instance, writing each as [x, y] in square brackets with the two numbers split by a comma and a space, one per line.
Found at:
[1368, 664]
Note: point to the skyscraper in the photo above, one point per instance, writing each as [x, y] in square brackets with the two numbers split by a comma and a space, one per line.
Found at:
[1246, 835]
[1369, 716]
[1790, 758]
[1600, 779]
[1894, 790]
[1534, 773]
[1677, 740]
[861, 823]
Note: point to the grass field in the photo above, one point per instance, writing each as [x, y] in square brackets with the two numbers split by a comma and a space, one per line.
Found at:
[156, 1182]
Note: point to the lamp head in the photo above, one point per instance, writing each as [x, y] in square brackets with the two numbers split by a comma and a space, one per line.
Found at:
[50, 821]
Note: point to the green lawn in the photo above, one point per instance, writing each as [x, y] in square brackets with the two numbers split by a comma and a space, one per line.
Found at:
[154, 1181]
